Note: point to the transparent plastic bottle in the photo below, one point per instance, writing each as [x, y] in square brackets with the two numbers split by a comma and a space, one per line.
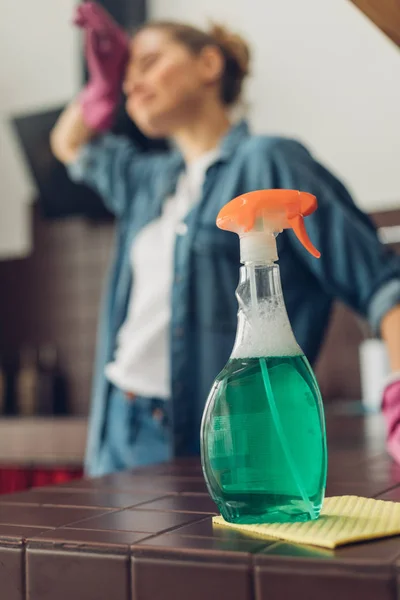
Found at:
[263, 441]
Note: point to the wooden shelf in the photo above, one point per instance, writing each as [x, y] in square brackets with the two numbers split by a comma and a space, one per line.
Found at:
[43, 441]
[385, 14]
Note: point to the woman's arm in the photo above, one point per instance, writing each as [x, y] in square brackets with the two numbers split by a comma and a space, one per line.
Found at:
[70, 133]
[107, 54]
[390, 330]
[355, 266]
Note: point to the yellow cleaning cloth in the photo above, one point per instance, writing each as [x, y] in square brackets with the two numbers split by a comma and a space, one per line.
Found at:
[343, 520]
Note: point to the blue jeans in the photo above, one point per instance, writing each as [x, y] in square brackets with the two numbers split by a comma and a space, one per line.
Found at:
[138, 433]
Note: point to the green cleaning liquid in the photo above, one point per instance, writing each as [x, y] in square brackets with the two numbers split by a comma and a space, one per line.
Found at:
[263, 436]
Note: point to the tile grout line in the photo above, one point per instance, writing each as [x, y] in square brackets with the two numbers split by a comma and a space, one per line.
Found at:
[24, 575]
[386, 490]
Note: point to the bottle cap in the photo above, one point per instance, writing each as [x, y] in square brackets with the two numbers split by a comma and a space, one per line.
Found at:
[259, 216]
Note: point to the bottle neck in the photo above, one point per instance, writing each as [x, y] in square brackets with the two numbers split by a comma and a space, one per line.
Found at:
[266, 277]
[258, 247]
[263, 324]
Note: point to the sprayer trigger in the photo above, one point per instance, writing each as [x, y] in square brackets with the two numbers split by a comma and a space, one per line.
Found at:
[299, 229]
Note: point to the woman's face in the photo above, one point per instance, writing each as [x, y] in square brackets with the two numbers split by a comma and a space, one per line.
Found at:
[165, 82]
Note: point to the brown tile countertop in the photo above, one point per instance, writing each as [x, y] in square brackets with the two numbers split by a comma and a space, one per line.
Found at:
[148, 535]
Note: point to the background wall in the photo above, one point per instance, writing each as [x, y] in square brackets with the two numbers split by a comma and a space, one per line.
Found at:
[39, 67]
[54, 296]
[322, 73]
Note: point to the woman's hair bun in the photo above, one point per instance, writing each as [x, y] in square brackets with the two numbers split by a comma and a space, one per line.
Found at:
[233, 45]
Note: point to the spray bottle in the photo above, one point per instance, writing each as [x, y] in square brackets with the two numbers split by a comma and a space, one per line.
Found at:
[263, 441]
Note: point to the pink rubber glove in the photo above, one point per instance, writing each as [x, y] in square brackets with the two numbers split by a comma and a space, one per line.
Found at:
[391, 412]
[107, 54]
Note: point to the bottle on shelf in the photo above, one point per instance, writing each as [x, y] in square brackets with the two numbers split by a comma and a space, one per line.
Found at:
[3, 387]
[52, 390]
[26, 384]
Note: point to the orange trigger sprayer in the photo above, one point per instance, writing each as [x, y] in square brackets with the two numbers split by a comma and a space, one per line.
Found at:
[270, 211]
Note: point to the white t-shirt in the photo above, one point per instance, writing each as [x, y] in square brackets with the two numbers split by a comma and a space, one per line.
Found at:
[142, 363]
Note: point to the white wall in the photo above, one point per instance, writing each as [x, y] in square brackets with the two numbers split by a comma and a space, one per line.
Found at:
[321, 73]
[38, 68]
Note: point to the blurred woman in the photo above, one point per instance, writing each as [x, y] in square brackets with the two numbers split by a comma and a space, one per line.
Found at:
[169, 318]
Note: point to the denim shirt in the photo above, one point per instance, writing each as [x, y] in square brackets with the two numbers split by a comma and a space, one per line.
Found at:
[354, 266]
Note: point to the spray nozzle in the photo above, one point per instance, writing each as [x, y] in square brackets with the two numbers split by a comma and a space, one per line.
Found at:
[267, 212]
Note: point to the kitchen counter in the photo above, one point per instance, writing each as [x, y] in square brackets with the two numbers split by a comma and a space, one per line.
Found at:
[147, 535]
